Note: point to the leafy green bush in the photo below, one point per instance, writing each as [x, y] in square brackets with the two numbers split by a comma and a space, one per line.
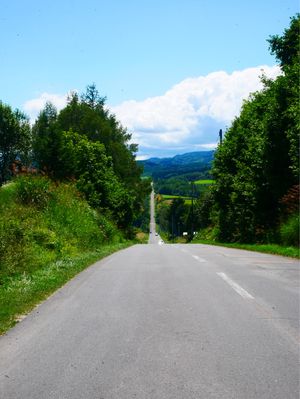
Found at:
[289, 231]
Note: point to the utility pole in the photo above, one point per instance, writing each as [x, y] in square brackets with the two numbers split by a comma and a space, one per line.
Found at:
[221, 136]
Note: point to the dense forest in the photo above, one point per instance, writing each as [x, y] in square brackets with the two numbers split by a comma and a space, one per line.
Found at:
[255, 198]
[83, 144]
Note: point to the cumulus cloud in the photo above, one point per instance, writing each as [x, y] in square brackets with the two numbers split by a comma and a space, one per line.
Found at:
[34, 106]
[186, 118]
[189, 115]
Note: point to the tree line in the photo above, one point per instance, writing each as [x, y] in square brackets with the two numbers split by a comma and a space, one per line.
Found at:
[83, 143]
[255, 198]
[256, 168]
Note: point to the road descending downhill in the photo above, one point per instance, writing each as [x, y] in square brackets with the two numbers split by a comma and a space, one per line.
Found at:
[162, 322]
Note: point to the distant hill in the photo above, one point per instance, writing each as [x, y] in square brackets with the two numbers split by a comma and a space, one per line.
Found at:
[192, 165]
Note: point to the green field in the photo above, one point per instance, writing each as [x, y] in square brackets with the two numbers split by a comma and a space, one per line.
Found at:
[204, 181]
[167, 197]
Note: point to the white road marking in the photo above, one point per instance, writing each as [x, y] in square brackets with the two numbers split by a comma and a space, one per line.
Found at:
[194, 256]
[237, 288]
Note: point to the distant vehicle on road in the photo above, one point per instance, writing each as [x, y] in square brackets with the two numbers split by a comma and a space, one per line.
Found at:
[156, 234]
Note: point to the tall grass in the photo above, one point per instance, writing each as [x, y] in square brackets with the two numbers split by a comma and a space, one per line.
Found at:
[41, 222]
[48, 232]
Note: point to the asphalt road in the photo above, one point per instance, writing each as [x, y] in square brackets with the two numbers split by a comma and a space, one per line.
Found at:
[154, 237]
[162, 322]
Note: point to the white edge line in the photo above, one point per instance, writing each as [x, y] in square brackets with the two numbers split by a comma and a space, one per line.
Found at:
[237, 288]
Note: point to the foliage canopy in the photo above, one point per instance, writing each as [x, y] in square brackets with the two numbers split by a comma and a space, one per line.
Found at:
[258, 161]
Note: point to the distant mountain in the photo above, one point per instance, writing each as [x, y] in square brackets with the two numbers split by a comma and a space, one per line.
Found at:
[189, 165]
[191, 157]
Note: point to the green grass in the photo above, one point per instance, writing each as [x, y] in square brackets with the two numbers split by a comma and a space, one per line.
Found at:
[48, 233]
[167, 197]
[21, 293]
[204, 181]
[265, 248]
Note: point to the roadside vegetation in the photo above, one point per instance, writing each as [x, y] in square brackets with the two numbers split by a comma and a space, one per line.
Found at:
[274, 249]
[48, 233]
[71, 192]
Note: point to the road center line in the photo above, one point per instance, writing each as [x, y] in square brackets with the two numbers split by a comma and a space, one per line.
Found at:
[237, 288]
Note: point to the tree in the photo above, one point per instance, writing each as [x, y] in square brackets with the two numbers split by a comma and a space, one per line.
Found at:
[92, 97]
[86, 143]
[15, 139]
[87, 163]
[203, 209]
[87, 116]
[259, 159]
[177, 216]
[286, 48]
[46, 140]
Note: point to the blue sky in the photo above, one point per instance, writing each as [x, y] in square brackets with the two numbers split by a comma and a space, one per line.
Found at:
[157, 61]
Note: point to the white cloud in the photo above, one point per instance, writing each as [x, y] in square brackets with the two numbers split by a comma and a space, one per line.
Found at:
[34, 106]
[142, 157]
[208, 146]
[186, 118]
[190, 114]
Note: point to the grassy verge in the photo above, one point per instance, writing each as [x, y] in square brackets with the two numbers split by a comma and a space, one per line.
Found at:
[266, 248]
[48, 234]
[20, 294]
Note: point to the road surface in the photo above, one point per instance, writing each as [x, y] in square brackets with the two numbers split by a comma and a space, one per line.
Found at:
[154, 237]
[162, 322]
